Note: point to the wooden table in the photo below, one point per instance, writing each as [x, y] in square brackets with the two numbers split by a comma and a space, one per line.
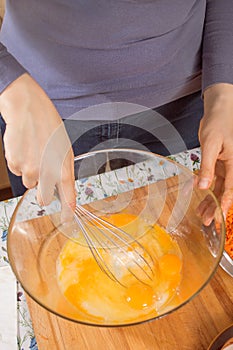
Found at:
[190, 328]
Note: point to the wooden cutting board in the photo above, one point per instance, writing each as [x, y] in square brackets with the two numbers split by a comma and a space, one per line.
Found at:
[191, 327]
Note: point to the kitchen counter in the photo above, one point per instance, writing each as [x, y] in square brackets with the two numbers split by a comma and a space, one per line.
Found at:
[192, 327]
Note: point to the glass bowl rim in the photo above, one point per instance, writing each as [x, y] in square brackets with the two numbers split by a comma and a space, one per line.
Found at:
[113, 325]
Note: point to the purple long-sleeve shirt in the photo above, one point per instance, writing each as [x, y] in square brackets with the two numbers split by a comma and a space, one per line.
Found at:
[94, 51]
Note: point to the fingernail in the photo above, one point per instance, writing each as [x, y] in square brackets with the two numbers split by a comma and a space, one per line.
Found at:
[203, 183]
[207, 221]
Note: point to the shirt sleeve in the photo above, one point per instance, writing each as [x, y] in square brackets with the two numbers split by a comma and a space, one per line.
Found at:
[217, 54]
[10, 68]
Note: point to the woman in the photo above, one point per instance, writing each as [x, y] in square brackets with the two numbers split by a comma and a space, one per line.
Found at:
[59, 57]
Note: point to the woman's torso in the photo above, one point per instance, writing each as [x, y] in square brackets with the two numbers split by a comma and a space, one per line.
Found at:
[85, 52]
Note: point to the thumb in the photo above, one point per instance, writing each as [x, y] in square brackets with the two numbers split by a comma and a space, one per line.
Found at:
[68, 202]
[66, 189]
[210, 152]
[227, 197]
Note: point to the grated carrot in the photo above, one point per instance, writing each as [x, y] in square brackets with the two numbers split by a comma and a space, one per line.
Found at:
[229, 233]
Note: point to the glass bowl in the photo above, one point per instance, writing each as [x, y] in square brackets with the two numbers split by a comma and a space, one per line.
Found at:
[227, 263]
[150, 190]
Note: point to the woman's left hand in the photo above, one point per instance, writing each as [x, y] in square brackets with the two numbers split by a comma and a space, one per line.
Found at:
[216, 140]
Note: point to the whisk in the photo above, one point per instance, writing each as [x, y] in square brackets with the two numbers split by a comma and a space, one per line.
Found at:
[112, 248]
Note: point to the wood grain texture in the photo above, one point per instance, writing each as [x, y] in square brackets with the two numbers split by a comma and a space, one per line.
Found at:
[2, 10]
[190, 328]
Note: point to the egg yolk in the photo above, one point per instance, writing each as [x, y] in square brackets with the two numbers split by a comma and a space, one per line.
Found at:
[170, 264]
[139, 296]
[120, 219]
[89, 290]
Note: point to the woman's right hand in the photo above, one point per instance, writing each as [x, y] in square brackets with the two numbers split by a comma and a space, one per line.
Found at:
[37, 146]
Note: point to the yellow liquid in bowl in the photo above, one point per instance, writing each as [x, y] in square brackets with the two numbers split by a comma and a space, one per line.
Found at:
[88, 289]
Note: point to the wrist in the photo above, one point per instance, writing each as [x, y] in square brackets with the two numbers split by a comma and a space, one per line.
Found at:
[218, 95]
[23, 99]
[14, 92]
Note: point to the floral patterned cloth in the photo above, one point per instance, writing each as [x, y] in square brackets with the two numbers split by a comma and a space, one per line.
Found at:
[88, 190]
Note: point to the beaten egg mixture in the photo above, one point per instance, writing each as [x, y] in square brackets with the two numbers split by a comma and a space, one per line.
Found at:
[91, 291]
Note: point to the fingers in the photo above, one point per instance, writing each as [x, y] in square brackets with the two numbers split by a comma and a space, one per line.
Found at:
[223, 190]
[227, 197]
[29, 174]
[68, 202]
[20, 160]
[210, 153]
[206, 209]
[30, 177]
[208, 215]
[61, 177]
[58, 173]
[36, 142]
[13, 168]
[66, 190]
[45, 190]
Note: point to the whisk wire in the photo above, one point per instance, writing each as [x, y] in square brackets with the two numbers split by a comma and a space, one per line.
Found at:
[95, 253]
[114, 235]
